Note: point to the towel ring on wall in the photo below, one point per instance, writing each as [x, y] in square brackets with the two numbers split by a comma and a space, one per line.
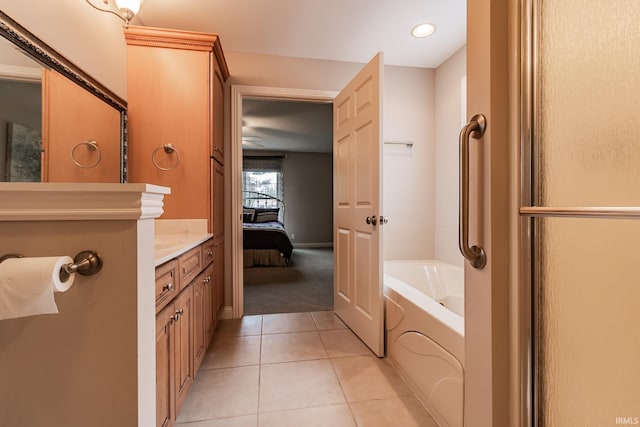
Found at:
[91, 146]
[168, 148]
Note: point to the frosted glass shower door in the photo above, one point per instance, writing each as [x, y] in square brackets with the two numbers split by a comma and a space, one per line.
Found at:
[584, 203]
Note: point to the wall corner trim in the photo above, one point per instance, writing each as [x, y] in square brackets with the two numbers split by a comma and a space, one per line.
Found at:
[61, 202]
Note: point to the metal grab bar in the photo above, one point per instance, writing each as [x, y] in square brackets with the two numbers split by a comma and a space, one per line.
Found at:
[475, 254]
[612, 212]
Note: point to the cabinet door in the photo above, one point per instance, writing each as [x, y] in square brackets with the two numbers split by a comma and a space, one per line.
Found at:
[199, 315]
[168, 103]
[217, 151]
[209, 310]
[218, 279]
[183, 354]
[217, 175]
[165, 397]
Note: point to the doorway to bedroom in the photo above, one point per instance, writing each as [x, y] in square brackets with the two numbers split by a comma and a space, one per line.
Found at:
[287, 199]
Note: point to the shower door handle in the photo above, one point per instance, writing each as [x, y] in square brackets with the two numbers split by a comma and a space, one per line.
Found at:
[474, 129]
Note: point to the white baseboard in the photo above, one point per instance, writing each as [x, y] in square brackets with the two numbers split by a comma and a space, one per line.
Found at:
[313, 245]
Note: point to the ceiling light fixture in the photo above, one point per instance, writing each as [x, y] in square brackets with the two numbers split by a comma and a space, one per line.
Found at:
[127, 9]
[423, 30]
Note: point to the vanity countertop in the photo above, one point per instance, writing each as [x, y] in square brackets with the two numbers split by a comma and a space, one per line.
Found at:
[169, 246]
[175, 237]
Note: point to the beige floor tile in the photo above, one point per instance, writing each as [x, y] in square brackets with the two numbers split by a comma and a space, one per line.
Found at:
[248, 325]
[368, 378]
[297, 385]
[327, 320]
[292, 347]
[231, 352]
[287, 322]
[405, 411]
[343, 343]
[333, 416]
[222, 393]
[244, 421]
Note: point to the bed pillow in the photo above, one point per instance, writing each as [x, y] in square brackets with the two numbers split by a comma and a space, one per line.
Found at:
[248, 214]
[266, 214]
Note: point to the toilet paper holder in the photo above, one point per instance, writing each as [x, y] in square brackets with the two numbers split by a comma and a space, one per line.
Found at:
[86, 263]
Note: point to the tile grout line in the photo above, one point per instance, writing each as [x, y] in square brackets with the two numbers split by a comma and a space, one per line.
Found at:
[259, 372]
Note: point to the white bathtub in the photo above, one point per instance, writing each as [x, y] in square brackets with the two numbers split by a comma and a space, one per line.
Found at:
[424, 322]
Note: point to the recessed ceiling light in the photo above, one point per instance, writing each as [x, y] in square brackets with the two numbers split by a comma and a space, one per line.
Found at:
[423, 30]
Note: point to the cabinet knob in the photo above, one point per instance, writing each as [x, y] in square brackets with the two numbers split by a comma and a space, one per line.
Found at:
[168, 286]
[175, 317]
[210, 252]
[207, 279]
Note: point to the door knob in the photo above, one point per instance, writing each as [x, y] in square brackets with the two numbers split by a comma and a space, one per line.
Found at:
[384, 219]
[372, 220]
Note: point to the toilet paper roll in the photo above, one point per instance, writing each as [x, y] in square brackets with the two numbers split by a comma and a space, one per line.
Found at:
[27, 285]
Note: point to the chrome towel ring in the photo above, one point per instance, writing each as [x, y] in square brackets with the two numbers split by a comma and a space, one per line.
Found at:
[169, 149]
[91, 146]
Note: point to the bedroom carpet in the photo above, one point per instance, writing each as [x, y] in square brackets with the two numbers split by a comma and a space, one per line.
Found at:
[306, 284]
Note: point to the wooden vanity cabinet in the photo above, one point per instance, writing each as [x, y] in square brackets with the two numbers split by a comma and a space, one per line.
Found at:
[176, 96]
[165, 372]
[174, 356]
[203, 309]
[167, 283]
[184, 325]
[184, 339]
[190, 264]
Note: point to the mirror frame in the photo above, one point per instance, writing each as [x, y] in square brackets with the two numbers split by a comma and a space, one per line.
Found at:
[44, 54]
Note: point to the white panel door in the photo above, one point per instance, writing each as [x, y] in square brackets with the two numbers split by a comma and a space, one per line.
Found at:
[357, 133]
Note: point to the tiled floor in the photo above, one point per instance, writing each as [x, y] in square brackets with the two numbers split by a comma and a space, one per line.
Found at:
[296, 369]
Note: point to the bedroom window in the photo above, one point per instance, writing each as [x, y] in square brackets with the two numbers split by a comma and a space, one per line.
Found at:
[262, 176]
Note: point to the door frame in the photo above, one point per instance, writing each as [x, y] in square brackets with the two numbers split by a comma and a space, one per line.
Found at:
[235, 172]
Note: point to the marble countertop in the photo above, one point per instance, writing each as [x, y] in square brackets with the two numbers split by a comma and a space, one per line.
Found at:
[175, 237]
[169, 246]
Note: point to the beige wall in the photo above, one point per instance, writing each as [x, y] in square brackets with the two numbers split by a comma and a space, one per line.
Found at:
[280, 71]
[92, 40]
[408, 114]
[408, 174]
[448, 119]
[308, 189]
[82, 367]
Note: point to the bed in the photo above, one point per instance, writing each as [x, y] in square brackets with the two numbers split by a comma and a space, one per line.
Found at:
[265, 240]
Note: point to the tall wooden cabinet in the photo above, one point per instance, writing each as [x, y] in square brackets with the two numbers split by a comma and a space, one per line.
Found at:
[176, 82]
[176, 115]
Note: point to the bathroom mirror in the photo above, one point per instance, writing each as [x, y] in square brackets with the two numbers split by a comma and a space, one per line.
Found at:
[57, 123]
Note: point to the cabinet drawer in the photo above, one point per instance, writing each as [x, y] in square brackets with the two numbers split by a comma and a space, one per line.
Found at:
[190, 264]
[167, 283]
[207, 252]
